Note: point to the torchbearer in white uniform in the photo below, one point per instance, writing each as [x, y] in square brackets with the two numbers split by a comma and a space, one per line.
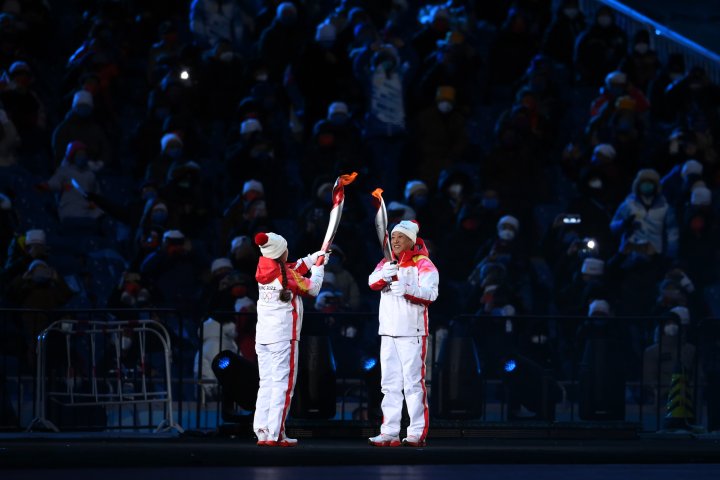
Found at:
[408, 286]
[280, 314]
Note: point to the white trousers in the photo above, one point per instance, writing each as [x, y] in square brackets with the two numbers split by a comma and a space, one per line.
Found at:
[277, 363]
[402, 365]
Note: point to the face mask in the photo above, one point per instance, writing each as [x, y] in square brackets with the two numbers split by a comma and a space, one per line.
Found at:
[642, 48]
[159, 217]
[83, 111]
[595, 184]
[604, 21]
[647, 188]
[226, 57]
[445, 107]
[506, 234]
[570, 12]
[174, 152]
[455, 190]
[490, 203]
[671, 330]
[350, 332]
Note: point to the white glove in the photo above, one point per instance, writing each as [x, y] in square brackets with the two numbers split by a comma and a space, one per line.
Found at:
[397, 288]
[389, 270]
[314, 257]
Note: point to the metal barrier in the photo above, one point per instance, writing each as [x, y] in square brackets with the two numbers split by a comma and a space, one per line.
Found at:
[664, 40]
[104, 390]
[180, 389]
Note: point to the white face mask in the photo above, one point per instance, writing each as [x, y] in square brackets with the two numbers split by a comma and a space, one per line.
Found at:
[445, 107]
[506, 234]
[595, 184]
[455, 190]
[570, 12]
[671, 330]
[604, 20]
[642, 48]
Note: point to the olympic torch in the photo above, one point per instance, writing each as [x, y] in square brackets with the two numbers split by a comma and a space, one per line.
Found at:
[338, 198]
[381, 222]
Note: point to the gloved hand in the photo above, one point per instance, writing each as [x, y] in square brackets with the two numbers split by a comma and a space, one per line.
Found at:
[314, 257]
[389, 270]
[397, 288]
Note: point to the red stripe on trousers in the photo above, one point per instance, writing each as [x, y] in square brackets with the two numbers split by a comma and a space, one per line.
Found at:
[291, 377]
[426, 413]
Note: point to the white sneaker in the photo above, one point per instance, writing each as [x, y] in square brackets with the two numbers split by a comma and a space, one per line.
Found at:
[413, 441]
[262, 437]
[384, 440]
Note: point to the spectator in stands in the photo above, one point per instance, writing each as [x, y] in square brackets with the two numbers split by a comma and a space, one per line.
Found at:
[21, 252]
[243, 255]
[600, 47]
[694, 91]
[9, 141]
[512, 49]
[80, 125]
[642, 63]
[23, 104]
[8, 227]
[559, 39]
[672, 71]
[282, 41]
[171, 150]
[212, 21]
[699, 237]
[680, 180]
[343, 281]
[587, 284]
[617, 86]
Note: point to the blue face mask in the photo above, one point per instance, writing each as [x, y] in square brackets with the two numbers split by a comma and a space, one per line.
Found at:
[83, 111]
[647, 188]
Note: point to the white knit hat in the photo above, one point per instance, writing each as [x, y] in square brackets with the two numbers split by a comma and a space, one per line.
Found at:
[683, 313]
[338, 107]
[250, 125]
[509, 220]
[271, 244]
[254, 186]
[408, 228]
[593, 266]
[415, 186]
[606, 150]
[615, 77]
[691, 167]
[35, 237]
[238, 242]
[701, 196]
[167, 138]
[82, 97]
[219, 263]
[325, 32]
[599, 306]
[173, 235]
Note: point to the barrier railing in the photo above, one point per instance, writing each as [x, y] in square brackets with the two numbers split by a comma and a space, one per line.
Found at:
[31, 384]
[113, 387]
[664, 40]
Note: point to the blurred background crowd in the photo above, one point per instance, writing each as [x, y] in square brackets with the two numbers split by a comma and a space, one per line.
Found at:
[556, 166]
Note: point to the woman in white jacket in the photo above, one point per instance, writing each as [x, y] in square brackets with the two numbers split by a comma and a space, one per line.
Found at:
[280, 313]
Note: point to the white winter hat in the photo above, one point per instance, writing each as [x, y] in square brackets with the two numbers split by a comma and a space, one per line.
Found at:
[238, 242]
[271, 244]
[601, 307]
[408, 212]
[593, 266]
[415, 186]
[338, 107]
[250, 125]
[169, 137]
[325, 32]
[5, 203]
[683, 313]
[606, 150]
[691, 167]
[219, 263]
[701, 196]
[618, 78]
[409, 228]
[509, 220]
[173, 235]
[35, 237]
[253, 186]
[82, 97]
[508, 311]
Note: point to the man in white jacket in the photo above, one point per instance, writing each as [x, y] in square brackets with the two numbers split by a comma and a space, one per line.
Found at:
[407, 287]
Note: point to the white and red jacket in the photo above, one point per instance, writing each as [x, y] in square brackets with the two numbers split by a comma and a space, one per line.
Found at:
[407, 316]
[280, 321]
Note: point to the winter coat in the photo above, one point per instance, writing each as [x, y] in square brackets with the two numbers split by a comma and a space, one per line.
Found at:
[407, 316]
[280, 321]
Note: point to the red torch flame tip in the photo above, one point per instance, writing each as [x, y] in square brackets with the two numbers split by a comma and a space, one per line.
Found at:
[377, 193]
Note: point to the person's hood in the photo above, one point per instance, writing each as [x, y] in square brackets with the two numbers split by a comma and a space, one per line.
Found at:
[647, 174]
[267, 270]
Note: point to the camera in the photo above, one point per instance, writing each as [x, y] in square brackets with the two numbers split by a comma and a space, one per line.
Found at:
[571, 219]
